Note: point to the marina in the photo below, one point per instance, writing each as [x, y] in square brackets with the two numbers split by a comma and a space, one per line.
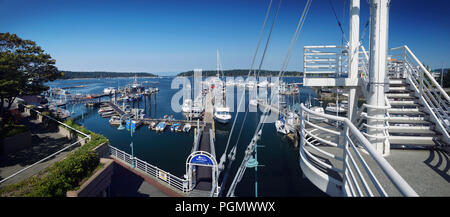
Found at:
[172, 142]
[361, 118]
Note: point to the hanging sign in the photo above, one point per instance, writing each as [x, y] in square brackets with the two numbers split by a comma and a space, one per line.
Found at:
[202, 159]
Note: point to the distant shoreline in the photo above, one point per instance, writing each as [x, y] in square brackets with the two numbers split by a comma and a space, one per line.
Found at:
[131, 77]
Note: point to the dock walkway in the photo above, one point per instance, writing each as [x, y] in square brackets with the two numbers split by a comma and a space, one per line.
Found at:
[204, 174]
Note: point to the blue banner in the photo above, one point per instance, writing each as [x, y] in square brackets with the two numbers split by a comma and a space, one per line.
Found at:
[202, 159]
[133, 126]
[128, 124]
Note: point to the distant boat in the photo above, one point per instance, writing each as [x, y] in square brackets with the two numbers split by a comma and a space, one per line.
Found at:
[186, 108]
[115, 120]
[222, 114]
[160, 127]
[152, 125]
[263, 84]
[109, 90]
[105, 109]
[317, 109]
[280, 125]
[108, 114]
[174, 127]
[332, 108]
[186, 128]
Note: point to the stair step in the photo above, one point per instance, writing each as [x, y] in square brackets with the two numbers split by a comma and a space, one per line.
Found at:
[411, 129]
[403, 102]
[412, 140]
[416, 120]
[397, 81]
[399, 95]
[411, 111]
[401, 88]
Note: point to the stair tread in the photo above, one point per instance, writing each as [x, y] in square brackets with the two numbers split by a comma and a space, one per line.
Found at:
[412, 140]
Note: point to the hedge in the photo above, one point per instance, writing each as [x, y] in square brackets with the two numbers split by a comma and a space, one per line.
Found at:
[64, 175]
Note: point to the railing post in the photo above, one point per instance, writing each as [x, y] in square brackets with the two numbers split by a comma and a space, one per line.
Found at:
[346, 136]
[302, 126]
[405, 72]
[304, 64]
[421, 80]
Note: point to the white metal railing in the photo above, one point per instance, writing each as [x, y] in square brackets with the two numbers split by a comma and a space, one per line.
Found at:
[327, 61]
[358, 178]
[436, 101]
[143, 166]
[362, 114]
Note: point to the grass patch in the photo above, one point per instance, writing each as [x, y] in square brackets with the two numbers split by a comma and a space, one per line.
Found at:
[62, 176]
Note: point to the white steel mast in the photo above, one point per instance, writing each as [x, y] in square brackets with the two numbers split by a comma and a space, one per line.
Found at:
[353, 57]
[379, 16]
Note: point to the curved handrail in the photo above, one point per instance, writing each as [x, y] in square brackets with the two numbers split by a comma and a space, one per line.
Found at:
[391, 173]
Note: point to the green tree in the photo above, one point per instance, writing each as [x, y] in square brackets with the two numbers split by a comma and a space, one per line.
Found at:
[24, 68]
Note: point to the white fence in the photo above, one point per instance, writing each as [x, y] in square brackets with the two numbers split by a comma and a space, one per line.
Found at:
[166, 177]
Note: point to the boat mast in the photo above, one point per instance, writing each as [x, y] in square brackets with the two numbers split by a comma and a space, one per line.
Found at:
[219, 68]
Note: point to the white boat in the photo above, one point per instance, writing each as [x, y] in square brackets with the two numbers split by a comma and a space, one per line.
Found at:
[332, 108]
[222, 114]
[105, 109]
[280, 125]
[152, 125]
[108, 114]
[115, 120]
[186, 108]
[317, 109]
[263, 84]
[291, 118]
[135, 84]
[160, 127]
[109, 90]
[230, 83]
[186, 128]
[250, 84]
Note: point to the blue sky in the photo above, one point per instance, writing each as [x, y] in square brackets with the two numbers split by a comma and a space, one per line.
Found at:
[170, 36]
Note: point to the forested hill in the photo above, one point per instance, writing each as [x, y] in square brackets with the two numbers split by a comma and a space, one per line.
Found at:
[242, 72]
[70, 74]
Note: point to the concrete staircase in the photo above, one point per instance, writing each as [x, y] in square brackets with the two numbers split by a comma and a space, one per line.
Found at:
[409, 124]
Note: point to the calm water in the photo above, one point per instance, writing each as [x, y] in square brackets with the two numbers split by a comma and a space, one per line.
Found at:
[280, 175]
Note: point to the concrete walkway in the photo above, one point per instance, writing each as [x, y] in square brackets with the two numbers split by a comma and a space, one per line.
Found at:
[125, 183]
[128, 182]
[44, 143]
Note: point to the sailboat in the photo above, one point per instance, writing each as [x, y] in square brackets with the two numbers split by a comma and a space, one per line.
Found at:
[221, 111]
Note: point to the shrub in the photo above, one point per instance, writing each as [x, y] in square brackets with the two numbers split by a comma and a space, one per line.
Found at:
[64, 175]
